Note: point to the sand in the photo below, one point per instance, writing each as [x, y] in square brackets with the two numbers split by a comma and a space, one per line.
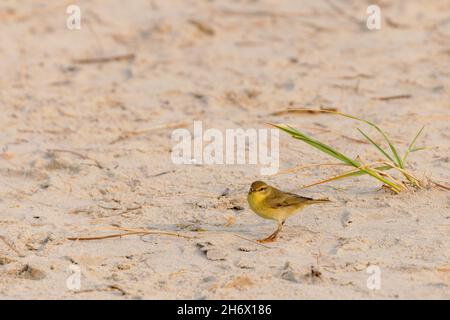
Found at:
[69, 165]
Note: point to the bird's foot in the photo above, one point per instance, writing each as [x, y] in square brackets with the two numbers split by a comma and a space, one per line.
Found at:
[271, 238]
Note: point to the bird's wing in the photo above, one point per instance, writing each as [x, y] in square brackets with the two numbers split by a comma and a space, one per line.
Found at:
[284, 199]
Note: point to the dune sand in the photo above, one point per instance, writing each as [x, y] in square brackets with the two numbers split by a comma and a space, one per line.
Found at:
[87, 145]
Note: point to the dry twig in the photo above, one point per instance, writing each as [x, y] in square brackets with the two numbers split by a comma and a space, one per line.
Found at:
[129, 232]
[387, 98]
[128, 56]
[131, 134]
[82, 156]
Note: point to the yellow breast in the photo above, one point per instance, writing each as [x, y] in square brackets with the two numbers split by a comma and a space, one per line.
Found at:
[256, 203]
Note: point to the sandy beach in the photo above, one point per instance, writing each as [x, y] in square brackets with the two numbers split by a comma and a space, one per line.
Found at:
[85, 148]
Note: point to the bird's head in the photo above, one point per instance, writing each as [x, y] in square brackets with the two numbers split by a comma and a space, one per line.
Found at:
[259, 188]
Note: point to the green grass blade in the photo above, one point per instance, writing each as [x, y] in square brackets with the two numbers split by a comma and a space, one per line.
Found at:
[318, 145]
[411, 145]
[419, 149]
[375, 145]
[386, 138]
[391, 145]
[336, 154]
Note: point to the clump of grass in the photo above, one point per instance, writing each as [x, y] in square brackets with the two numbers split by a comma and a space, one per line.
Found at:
[377, 170]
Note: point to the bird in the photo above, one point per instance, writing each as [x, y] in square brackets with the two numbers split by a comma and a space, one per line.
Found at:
[270, 203]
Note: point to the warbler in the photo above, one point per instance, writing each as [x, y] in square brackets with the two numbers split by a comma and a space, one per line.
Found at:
[271, 203]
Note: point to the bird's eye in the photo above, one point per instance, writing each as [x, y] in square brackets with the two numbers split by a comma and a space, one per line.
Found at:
[262, 189]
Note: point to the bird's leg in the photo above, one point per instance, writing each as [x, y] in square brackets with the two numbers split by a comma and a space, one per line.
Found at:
[274, 235]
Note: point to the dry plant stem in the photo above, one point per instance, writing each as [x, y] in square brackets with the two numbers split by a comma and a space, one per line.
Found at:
[131, 134]
[298, 168]
[301, 111]
[138, 230]
[411, 178]
[399, 96]
[440, 185]
[253, 241]
[348, 173]
[340, 176]
[203, 27]
[128, 56]
[396, 187]
[107, 288]
[399, 183]
[129, 232]
[117, 235]
[82, 156]
[124, 211]
[385, 174]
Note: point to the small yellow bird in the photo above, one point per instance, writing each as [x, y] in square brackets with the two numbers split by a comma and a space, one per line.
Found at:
[271, 203]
